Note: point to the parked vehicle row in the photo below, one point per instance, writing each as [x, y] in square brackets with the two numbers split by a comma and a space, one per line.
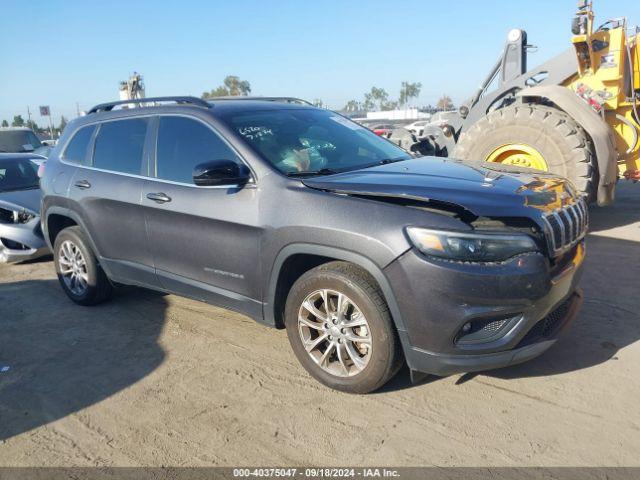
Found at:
[302, 219]
[23, 140]
[20, 233]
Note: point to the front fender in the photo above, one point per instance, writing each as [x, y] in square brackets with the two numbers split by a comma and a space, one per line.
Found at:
[335, 253]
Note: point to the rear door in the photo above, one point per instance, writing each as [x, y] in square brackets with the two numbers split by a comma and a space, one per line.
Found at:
[107, 191]
[204, 240]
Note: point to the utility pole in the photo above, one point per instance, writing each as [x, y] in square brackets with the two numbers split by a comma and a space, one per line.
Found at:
[28, 117]
[50, 124]
[77, 109]
[46, 111]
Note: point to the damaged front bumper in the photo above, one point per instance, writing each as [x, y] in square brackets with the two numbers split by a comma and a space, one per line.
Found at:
[21, 242]
[467, 317]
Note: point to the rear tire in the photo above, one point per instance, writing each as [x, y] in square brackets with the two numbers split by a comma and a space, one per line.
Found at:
[79, 272]
[563, 143]
[350, 365]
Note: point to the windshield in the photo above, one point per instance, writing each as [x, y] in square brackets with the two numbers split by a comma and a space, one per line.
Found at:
[311, 141]
[16, 141]
[18, 175]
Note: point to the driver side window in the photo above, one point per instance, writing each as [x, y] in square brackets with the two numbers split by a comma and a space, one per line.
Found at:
[184, 143]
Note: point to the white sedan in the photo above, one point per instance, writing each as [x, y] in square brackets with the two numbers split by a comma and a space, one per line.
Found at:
[417, 127]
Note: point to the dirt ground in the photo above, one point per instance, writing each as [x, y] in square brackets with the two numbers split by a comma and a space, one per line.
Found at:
[155, 380]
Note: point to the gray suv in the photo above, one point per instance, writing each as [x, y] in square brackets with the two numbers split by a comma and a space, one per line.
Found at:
[300, 218]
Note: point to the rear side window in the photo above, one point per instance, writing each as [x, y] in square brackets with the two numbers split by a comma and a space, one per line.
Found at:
[184, 143]
[119, 145]
[76, 151]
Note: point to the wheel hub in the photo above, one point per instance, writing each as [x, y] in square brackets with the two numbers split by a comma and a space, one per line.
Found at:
[334, 333]
[520, 155]
[73, 267]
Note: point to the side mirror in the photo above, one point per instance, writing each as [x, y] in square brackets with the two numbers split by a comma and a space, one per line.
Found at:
[221, 173]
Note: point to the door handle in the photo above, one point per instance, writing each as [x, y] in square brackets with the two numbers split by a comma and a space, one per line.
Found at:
[82, 184]
[159, 197]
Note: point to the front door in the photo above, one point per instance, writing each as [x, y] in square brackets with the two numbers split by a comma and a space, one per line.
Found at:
[204, 240]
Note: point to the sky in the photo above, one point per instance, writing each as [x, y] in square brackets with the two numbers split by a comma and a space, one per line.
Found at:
[63, 52]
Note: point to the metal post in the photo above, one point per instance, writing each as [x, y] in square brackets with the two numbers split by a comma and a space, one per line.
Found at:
[50, 124]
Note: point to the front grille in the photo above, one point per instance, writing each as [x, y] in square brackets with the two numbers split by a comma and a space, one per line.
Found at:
[483, 330]
[566, 226]
[494, 326]
[546, 327]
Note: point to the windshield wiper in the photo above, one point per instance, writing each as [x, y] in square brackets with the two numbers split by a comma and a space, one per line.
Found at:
[308, 173]
[386, 161]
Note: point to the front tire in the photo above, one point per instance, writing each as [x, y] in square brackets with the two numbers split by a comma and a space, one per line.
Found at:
[533, 136]
[79, 272]
[340, 328]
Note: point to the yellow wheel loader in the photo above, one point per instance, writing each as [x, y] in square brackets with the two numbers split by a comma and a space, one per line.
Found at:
[576, 115]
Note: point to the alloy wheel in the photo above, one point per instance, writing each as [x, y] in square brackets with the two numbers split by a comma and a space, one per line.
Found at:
[335, 333]
[73, 268]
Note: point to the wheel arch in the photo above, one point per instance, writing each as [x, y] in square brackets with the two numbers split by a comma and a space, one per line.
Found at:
[316, 255]
[600, 133]
[58, 218]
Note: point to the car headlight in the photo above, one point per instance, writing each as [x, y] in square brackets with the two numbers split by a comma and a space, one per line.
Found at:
[470, 247]
[23, 216]
[15, 216]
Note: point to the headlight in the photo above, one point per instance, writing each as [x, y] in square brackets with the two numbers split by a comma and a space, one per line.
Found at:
[13, 216]
[470, 247]
[23, 216]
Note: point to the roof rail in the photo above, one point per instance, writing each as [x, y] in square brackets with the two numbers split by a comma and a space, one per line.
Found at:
[265, 99]
[107, 107]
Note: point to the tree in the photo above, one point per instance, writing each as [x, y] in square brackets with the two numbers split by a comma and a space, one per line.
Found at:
[380, 95]
[369, 102]
[63, 123]
[233, 86]
[445, 103]
[389, 105]
[408, 91]
[318, 103]
[5, 123]
[18, 121]
[32, 125]
[218, 92]
[352, 106]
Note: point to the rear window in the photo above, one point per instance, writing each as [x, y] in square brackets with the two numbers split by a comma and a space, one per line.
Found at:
[76, 151]
[119, 145]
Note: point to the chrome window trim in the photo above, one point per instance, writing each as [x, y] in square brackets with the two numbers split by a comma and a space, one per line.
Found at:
[142, 177]
[250, 184]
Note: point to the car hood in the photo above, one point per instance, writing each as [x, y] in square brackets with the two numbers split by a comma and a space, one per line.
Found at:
[483, 189]
[22, 199]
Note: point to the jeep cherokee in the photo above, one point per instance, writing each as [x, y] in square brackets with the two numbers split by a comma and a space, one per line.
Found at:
[300, 218]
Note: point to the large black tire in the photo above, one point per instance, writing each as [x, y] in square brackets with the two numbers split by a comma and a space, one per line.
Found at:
[98, 288]
[564, 145]
[385, 355]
